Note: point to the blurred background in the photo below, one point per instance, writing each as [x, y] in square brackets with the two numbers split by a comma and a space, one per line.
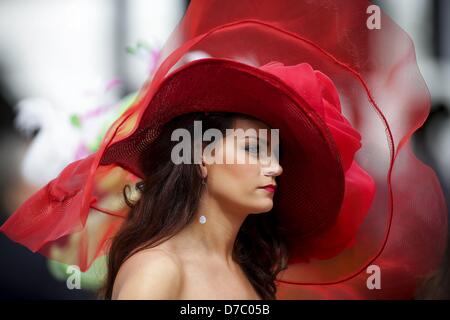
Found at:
[69, 67]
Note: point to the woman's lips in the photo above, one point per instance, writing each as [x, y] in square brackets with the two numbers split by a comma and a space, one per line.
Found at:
[269, 188]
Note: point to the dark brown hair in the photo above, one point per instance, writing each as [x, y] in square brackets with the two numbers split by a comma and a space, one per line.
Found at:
[169, 197]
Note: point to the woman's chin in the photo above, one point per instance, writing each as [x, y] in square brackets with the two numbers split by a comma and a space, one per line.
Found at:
[264, 205]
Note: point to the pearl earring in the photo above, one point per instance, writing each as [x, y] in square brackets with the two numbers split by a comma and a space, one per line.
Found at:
[202, 219]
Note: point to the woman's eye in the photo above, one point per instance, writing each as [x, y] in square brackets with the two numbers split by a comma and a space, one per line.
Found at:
[252, 148]
[277, 153]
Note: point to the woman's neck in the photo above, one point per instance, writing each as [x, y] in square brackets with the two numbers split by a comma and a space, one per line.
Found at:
[217, 235]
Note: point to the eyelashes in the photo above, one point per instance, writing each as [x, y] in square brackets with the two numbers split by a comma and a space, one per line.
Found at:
[253, 149]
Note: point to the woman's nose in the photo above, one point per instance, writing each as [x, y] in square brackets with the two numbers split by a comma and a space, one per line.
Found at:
[272, 169]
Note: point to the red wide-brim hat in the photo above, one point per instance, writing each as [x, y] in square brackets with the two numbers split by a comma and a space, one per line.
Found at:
[346, 100]
[319, 143]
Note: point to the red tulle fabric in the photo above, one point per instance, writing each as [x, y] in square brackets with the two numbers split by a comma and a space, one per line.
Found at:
[384, 100]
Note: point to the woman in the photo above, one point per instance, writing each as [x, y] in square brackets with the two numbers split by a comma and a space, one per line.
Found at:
[211, 228]
[352, 194]
[236, 253]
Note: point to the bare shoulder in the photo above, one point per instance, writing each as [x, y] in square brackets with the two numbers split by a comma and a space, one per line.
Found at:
[149, 274]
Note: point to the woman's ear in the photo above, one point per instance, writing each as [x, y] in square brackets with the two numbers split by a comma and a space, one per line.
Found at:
[204, 168]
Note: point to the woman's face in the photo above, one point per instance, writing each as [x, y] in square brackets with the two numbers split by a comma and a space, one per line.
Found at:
[240, 183]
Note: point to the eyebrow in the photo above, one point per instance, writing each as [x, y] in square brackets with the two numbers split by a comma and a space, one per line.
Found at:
[255, 138]
[262, 140]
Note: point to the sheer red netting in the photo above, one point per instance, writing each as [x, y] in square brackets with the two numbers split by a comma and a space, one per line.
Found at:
[382, 94]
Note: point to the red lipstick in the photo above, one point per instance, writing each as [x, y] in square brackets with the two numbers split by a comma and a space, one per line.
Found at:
[270, 187]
